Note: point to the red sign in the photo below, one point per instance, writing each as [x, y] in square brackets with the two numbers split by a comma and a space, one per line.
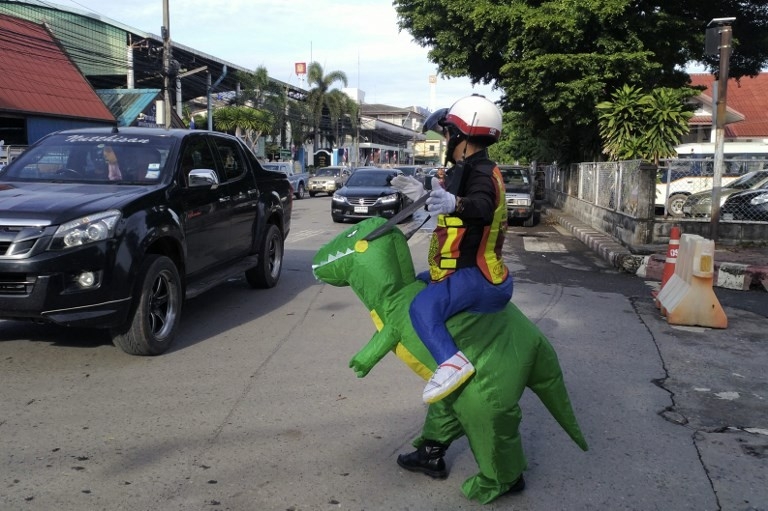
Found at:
[301, 68]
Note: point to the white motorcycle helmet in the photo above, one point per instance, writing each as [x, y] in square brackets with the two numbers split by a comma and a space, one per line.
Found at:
[473, 117]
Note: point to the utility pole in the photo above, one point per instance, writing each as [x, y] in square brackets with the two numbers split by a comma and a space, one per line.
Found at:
[166, 33]
[718, 39]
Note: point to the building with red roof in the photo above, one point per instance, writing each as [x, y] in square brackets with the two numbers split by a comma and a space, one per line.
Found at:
[746, 104]
[41, 89]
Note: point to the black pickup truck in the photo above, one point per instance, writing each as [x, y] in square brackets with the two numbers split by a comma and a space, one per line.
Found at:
[113, 229]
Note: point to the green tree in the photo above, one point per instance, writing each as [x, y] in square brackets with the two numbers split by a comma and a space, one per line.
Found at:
[258, 90]
[320, 100]
[246, 122]
[554, 60]
[640, 125]
[343, 112]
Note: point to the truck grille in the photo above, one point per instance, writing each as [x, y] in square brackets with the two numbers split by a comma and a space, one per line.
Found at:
[16, 284]
[17, 241]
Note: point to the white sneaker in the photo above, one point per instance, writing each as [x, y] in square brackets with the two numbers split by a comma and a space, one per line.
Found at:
[448, 377]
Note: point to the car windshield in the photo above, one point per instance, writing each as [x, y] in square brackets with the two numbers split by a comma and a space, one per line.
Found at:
[272, 166]
[370, 178]
[749, 180]
[327, 172]
[93, 159]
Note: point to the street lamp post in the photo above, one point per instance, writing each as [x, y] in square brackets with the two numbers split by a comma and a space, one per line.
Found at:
[166, 30]
[718, 40]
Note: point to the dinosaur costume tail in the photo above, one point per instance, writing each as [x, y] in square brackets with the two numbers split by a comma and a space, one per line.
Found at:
[546, 380]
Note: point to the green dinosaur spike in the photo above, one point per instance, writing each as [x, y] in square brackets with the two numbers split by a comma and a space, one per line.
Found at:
[509, 353]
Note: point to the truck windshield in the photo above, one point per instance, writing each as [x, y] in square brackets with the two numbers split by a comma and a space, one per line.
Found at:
[516, 178]
[93, 159]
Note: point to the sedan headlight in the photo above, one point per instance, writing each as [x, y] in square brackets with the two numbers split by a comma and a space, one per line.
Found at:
[389, 198]
[759, 199]
[339, 198]
[88, 229]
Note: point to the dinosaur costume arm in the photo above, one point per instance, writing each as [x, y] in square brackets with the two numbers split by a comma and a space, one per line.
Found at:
[382, 342]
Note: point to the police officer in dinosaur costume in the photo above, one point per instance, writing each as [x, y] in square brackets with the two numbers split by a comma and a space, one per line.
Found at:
[466, 270]
[508, 350]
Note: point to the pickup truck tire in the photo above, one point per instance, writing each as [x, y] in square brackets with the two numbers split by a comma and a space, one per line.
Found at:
[267, 272]
[675, 204]
[312, 194]
[157, 311]
[301, 191]
[530, 220]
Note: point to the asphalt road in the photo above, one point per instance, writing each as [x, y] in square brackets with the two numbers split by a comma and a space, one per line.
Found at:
[256, 409]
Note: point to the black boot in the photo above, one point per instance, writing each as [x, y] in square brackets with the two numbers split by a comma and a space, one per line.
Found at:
[427, 459]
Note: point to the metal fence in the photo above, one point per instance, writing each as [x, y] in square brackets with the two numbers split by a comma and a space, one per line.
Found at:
[683, 187]
[611, 185]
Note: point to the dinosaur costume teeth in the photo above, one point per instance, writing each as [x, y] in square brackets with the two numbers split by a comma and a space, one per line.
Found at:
[509, 353]
[332, 258]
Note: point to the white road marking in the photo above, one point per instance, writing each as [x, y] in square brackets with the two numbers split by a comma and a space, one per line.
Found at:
[537, 245]
[296, 236]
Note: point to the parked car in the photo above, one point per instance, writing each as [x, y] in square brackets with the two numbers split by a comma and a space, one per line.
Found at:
[368, 192]
[747, 205]
[327, 180]
[430, 173]
[520, 191]
[292, 170]
[113, 229]
[683, 177]
[700, 204]
[416, 171]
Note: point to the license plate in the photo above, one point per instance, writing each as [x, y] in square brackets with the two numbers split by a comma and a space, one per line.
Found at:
[361, 209]
[728, 217]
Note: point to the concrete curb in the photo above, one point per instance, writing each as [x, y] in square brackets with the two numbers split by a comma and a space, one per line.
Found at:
[728, 275]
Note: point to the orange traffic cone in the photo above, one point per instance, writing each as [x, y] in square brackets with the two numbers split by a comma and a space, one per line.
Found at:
[669, 263]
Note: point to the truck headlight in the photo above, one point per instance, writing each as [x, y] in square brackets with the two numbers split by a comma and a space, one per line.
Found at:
[88, 229]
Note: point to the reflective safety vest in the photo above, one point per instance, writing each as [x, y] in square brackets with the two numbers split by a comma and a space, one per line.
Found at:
[449, 251]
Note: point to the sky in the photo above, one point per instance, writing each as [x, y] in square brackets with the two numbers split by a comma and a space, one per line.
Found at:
[358, 37]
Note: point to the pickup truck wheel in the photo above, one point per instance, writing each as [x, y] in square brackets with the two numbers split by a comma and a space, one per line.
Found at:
[267, 272]
[675, 204]
[312, 194]
[301, 191]
[530, 220]
[157, 310]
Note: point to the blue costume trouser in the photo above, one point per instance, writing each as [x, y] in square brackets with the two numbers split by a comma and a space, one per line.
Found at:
[464, 290]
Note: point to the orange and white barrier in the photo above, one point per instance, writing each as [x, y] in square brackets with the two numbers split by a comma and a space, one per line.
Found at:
[688, 297]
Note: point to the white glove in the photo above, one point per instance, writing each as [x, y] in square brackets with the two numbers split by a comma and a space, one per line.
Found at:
[440, 201]
[410, 186]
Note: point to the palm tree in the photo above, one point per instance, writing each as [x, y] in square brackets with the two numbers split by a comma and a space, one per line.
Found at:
[319, 98]
[621, 123]
[247, 123]
[343, 112]
[255, 87]
[667, 116]
[636, 125]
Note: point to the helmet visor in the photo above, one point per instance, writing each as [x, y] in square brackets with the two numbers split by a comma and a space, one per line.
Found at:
[435, 121]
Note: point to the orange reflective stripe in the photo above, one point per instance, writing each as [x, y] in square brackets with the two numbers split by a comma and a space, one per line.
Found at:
[489, 258]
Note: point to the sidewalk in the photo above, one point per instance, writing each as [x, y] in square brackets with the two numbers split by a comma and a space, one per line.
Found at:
[743, 269]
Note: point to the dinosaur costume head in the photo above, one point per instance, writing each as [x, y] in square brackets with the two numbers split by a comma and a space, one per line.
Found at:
[349, 259]
[507, 349]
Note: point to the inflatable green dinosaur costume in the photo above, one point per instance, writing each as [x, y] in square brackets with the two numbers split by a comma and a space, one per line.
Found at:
[508, 350]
